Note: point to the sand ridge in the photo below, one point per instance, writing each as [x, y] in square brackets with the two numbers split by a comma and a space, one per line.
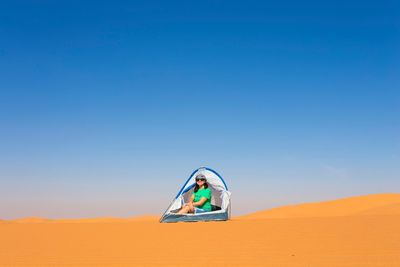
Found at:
[357, 205]
[374, 204]
[83, 220]
[390, 209]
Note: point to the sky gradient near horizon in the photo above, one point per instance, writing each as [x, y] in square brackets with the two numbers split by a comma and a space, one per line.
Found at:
[106, 108]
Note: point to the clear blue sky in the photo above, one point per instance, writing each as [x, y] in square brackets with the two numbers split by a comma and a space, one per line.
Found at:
[106, 108]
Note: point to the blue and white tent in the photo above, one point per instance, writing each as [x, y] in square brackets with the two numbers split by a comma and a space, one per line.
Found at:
[220, 200]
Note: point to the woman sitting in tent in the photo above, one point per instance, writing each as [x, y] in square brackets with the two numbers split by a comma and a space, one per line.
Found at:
[200, 201]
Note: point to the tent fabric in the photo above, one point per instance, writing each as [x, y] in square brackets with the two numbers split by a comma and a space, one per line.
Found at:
[221, 198]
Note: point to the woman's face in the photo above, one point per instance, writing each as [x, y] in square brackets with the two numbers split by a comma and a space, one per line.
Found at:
[200, 181]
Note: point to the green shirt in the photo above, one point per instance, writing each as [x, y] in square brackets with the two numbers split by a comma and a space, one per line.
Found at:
[204, 192]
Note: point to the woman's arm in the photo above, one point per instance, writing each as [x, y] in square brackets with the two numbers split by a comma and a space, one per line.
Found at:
[200, 202]
[190, 203]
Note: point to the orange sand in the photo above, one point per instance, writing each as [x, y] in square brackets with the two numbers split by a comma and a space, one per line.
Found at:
[383, 204]
[358, 231]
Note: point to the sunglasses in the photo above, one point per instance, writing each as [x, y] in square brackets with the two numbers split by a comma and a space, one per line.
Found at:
[201, 179]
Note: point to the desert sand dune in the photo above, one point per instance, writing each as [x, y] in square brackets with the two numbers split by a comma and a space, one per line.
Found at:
[84, 220]
[145, 218]
[340, 207]
[390, 209]
[31, 220]
[90, 220]
[335, 241]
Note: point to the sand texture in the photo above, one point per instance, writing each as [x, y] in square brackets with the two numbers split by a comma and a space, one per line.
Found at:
[359, 231]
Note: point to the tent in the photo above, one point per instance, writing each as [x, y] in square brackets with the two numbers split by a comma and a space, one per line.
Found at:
[220, 199]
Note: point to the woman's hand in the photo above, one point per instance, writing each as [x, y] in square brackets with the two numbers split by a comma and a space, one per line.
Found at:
[191, 206]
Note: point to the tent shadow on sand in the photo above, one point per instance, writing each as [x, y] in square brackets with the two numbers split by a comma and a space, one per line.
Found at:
[220, 199]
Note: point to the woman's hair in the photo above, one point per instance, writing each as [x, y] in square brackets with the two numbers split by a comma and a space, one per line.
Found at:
[196, 188]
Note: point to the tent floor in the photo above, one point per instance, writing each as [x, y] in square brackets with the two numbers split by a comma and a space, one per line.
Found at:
[209, 216]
